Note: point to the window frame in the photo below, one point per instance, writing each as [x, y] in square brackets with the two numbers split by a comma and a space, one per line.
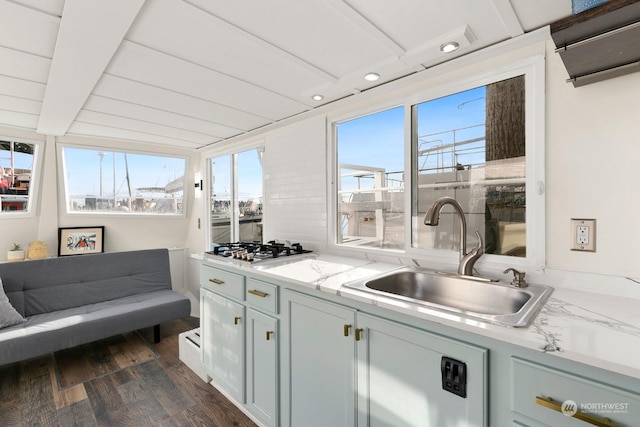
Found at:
[35, 180]
[65, 191]
[235, 223]
[533, 68]
[336, 170]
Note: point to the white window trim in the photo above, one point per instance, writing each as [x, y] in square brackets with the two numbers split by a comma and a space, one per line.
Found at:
[62, 198]
[235, 225]
[533, 67]
[35, 182]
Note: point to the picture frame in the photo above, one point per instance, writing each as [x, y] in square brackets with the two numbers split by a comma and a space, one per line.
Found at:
[80, 240]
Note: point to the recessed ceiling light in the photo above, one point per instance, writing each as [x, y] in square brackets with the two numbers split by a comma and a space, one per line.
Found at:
[449, 47]
[317, 97]
[372, 77]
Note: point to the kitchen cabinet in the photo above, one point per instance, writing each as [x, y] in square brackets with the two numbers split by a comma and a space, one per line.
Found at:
[543, 396]
[349, 368]
[222, 282]
[223, 338]
[262, 366]
[263, 338]
[336, 361]
[240, 339]
[319, 362]
[400, 377]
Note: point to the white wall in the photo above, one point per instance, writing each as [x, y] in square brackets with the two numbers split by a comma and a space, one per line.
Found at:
[592, 164]
[295, 184]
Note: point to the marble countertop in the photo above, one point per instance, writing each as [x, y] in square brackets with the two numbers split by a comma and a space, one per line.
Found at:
[591, 328]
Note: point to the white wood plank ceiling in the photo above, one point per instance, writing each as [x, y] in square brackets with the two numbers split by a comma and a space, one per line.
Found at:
[191, 73]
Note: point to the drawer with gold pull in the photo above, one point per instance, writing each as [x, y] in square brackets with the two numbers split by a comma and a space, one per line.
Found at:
[222, 281]
[558, 398]
[262, 295]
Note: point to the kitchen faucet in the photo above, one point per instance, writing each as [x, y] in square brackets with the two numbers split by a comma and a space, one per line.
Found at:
[467, 260]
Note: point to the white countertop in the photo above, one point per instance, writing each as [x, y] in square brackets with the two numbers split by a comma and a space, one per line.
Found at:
[594, 329]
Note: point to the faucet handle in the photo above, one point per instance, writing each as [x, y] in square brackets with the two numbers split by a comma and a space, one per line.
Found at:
[480, 245]
[518, 278]
[468, 260]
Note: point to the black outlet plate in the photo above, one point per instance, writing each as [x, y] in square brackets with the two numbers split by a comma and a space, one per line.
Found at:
[454, 376]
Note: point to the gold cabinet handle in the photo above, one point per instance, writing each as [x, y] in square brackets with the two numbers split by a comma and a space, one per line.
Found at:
[358, 333]
[346, 330]
[257, 293]
[269, 333]
[217, 281]
[236, 320]
[555, 405]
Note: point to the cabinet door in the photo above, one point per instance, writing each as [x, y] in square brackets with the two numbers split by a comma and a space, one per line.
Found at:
[262, 366]
[400, 380]
[222, 332]
[318, 363]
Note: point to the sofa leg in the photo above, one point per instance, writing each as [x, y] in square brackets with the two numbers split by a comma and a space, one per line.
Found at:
[156, 334]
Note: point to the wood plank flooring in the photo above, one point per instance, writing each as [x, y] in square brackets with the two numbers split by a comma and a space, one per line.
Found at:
[160, 392]
[95, 359]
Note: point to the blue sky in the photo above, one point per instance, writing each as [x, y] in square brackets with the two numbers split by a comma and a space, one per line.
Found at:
[249, 176]
[82, 170]
[221, 186]
[377, 140]
[20, 160]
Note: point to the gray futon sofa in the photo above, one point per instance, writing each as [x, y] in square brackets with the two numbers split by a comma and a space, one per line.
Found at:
[68, 301]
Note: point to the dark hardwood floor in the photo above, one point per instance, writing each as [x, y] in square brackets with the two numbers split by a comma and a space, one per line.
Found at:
[162, 391]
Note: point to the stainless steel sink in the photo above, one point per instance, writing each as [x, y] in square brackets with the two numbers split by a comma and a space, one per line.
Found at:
[471, 297]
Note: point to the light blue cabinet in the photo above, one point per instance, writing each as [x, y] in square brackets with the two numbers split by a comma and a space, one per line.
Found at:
[293, 356]
[400, 377]
[222, 329]
[349, 368]
[262, 367]
[240, 340]
[546, 396]
[318, 363]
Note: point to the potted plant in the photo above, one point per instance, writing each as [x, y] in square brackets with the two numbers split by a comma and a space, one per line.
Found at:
[15, 254]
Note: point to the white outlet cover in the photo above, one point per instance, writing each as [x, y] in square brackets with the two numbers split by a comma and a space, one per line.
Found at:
[583, 234]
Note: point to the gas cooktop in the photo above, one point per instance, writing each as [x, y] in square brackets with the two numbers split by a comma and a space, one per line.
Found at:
[256, 251]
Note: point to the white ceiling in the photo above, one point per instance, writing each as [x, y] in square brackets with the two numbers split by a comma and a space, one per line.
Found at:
[190, 73]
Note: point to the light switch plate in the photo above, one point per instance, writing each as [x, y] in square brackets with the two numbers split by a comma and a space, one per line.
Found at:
[583, 234]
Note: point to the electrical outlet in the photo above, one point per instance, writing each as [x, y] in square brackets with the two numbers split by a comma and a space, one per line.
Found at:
[583, 235]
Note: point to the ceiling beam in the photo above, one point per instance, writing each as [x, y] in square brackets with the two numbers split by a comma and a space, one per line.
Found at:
[90, 32]
[267, 46]
[365, 24]
[508, 17]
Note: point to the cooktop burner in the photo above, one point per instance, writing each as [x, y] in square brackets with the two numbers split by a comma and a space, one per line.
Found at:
[256, 251]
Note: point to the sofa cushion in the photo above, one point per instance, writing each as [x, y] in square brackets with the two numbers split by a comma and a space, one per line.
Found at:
[48, 332]
[54, 284]
[8, 315]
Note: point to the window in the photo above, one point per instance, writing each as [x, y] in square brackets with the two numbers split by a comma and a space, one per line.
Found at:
[371, 180]
[479, 144]
[18, 167]
[236, 197]
[102, 181]
[471, 146]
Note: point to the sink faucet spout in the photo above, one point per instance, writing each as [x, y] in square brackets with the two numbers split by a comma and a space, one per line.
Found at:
[467, 260]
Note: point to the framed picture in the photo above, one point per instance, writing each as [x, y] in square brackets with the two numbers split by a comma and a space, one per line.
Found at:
[80, 240]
